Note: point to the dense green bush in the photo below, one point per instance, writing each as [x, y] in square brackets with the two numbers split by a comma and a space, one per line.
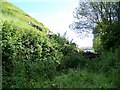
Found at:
[28, 56]
[73, 61]
[110, 65]
[81, 78]
[65, 46]
[110, 38]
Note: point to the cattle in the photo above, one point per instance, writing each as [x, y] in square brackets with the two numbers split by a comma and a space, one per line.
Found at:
[49, 34]
[90, 55]
[39, 28]
[36, 26]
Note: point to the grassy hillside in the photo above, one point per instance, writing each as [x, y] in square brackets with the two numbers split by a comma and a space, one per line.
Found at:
[31, 59]
[19, 17]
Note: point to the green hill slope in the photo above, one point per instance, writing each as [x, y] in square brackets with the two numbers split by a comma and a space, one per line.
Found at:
[19, 17]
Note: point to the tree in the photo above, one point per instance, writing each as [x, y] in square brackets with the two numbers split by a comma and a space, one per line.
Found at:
[110, 39]
[98, 18]
[82, 16]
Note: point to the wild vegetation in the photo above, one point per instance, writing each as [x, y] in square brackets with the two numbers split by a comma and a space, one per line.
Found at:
[31, 59]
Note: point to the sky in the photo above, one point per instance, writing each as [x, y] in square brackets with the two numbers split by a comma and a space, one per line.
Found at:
[56, 15]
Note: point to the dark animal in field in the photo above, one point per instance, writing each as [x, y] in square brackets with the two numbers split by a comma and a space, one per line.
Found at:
[49, 34]
[90, 55]
[36, 26]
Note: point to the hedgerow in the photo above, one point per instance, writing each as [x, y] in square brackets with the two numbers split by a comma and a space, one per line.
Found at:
[27, 56]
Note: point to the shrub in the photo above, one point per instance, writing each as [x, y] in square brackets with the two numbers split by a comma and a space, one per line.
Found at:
[28, 56]
[110, 65]
[72, 61]
[81, 79]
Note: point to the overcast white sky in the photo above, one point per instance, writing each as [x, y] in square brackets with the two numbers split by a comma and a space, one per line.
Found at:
[56, 15]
